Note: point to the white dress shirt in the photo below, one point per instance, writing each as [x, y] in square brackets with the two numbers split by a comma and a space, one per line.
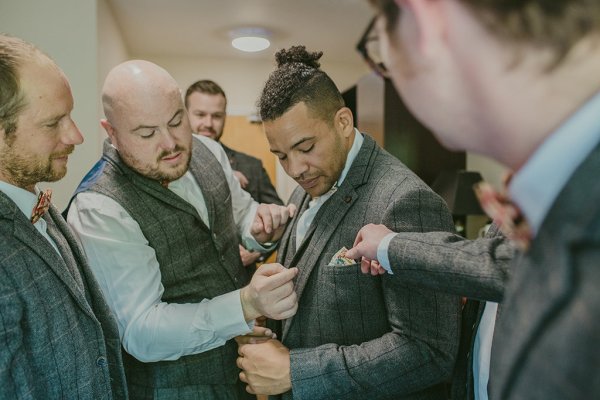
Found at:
[128, 273]
[315, 204]
[26, 200]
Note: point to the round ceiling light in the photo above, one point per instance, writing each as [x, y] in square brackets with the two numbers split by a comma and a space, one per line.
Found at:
[250, 39]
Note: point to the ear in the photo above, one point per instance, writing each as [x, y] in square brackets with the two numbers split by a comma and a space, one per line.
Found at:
[344, 121]
[110, 131]
[422, 24]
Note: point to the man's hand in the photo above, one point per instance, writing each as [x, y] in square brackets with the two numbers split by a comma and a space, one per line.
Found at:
[265, 367]
[270, 220]
[260, 334]
[270, 293]
[365, 248]
[242, 178]
[248, 257]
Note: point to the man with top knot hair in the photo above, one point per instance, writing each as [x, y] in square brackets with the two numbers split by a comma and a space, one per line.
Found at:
[354, 336]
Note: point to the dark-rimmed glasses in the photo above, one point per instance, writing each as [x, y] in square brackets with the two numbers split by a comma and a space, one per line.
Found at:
[368, 47]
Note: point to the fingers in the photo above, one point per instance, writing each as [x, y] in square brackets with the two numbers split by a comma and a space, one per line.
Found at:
[291, 210]
[270, 269]
[277, 279]
[270, 217]
[365, 265]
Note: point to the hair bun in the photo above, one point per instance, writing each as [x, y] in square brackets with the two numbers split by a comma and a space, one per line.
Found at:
[298, 54]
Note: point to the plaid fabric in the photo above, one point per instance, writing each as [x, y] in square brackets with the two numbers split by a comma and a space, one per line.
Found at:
[56, 343]
[358, 336]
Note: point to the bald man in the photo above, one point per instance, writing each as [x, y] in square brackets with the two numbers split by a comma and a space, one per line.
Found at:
[159, 217]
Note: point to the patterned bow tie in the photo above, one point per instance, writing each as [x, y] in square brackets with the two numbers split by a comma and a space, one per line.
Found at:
[42, 205]
[505, 214]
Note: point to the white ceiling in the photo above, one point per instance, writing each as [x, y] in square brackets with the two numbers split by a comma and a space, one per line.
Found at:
[168, 28]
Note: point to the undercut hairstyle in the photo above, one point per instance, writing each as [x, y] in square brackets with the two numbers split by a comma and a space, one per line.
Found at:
[13, 52]
[298, 78]
[204, 86]
[553, 24]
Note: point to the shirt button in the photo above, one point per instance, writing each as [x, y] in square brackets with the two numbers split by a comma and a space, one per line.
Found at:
[101, 361]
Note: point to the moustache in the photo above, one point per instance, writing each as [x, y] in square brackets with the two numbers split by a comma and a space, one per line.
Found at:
[63, 153]
[165, 153]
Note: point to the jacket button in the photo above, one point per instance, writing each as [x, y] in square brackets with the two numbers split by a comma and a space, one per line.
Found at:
[348, 199]
[222, 258]
[214, 235]
[101, 361]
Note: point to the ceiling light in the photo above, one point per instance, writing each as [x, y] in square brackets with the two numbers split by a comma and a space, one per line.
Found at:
[250, 39]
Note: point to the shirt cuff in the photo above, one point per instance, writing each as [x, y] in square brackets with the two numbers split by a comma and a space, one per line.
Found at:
[227, 316]
[382, 252]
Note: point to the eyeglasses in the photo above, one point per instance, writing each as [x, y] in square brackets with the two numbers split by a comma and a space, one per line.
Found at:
[368, 47]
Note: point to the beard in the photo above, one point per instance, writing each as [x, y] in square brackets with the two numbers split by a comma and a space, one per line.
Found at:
[156, 171]
[26, 171]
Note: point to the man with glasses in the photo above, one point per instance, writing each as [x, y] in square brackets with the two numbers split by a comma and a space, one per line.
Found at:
[354, 336]
[518, 82]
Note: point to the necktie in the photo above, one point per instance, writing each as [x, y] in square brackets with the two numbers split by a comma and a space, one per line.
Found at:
[42, 205]
[505, 214]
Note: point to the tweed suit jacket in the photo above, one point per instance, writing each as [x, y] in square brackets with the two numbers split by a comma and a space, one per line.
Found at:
[357, 336]
[477, 269]
[259, 185]
[546, 339]
[59, 339]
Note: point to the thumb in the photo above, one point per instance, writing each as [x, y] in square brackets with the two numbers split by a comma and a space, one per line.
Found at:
[281, 278]
[270, 269]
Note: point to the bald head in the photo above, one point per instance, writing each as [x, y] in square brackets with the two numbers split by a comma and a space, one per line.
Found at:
[132, 84]
[146, 120]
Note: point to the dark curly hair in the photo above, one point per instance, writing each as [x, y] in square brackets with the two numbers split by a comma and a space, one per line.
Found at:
[298, 78]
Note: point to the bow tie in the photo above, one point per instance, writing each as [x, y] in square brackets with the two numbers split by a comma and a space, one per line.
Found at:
[505, 214]
[42, 205]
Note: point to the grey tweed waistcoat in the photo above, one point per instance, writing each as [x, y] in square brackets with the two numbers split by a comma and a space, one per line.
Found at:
[196, 262]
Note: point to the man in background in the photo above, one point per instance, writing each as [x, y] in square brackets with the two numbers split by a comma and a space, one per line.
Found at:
[59, 338]
[206, 104]
[518, 81]
[159, 217]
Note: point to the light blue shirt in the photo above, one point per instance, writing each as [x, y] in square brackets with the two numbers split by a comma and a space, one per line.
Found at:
[315, 204]
[535, 187]
[26, 200]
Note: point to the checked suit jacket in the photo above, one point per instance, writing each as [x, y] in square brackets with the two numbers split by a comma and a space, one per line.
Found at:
[477, 269]
[58, 337]
[546, 339]
[358, 336]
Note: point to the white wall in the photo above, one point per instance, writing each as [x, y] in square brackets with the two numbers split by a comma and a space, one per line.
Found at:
[111, 52]
[241, 79]
[67, 30]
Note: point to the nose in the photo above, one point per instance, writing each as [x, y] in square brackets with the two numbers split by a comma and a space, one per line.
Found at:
[208, 121]
[72, 135]
[296, 167]
[168, 141]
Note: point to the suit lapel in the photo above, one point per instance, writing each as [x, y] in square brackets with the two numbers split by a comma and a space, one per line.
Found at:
[287, 249]
[24, 231]
[328, 219]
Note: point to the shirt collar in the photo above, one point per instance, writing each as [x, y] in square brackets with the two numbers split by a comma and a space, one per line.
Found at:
[535, 187]
[358, 142]
[24, 199]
